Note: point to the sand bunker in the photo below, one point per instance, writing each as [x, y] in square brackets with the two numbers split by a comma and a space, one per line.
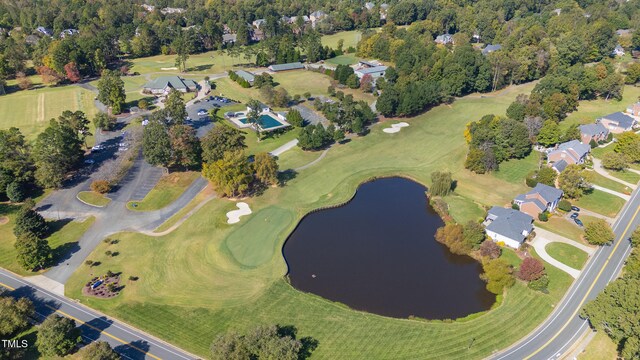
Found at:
[395, 128]
[3, 220]
[169, 68]
[234, 215]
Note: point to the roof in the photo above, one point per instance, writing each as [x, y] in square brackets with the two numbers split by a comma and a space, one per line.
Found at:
[175, 82]
[509, 223]
[549, 193]
[573, 148]
[372, 70]
[289, 66]
[560, 166]
[246, 75]
[623, 121]
[444, 37]
[318, 13]
[226, 38]
[491, 48]
[593, 129]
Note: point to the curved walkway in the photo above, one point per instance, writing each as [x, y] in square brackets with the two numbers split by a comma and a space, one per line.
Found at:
[609, 191]
[324, 153]
[544, 237]
[597, 166]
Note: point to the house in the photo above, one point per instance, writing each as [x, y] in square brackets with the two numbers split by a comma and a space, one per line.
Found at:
[617, 122]
[557, 11]
[508, 226]
[249, 77]
[257, 35]
[369, 63]
[263, 108]
[623, 32]
[369, 6]
[31, 39]
[148, 7]
[559, 166]
[444, 39]
[571, 152]
[618, 51]
[491, 48]
[229, 38]
[593, 132]
[286, 67]
[634, 110]
[375, 72]
[384, 8]
[258, 23]
[170, 10]
[540, 199]
[294, 19]
[69, 32]
[44, 31]
[317, 16]
[164, 84]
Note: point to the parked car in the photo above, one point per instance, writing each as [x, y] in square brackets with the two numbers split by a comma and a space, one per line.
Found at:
[202, 112]
[89, 161]
[578, 222]
[575, 208]
[574, 215]
[97, 148]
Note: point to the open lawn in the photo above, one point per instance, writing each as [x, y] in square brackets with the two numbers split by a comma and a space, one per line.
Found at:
[64, 234]
[348, 59]
[601, 202]
[212, 62]
[567, 254]
[166, 191]
[31, 110]
[208, 277]
[628, 176]
[93, 198]
[600, 180]
[349, 38]
[463, 209]
[296, 157]
[588, 111]
[600, 152]
[516, 170]
[601, 347]
[562, 227]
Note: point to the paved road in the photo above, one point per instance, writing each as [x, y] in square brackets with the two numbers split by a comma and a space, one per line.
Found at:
[127, 341]
[558, 333]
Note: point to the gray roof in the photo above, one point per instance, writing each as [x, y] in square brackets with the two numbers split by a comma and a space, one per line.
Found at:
[372, 70]
[318, 13]
[579, 148]
[175, 82]
[444, 38]
[509, 223]
[624, 121]
[593, 129]
[560, 166]
[548, 193]
[491, 48]
[227, 38]
[289, 66]
[246, 75]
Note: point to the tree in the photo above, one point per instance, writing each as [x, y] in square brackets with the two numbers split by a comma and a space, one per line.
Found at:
[266, 168]
[573, 181]
[253, 116]
[628, 143]
[352, 81]
[156, 144]
[220, 139]
[497, 275]
[295, 118]
[490, 249]
[33, 253]
[615, 161]
[598, 232]
[549, 134]
[15, 192]
[111, 90]
[546, 175]
[543, 216]
[540, 284]
[23, 81]
[441, 183]
[185, 146]
[104, 122]
[231, 175]
[16, 164]
[77, 121]
[633, 73]
[175, 108]
[98, 350]
[530, 269]
[474, 234]
[57, 336]
[264, 342]
[635, 238]
[14, 315]
[281, 97]
[100, 186]
[366, 83]
[72, 73]
[28, 221]
[57, 150]
[452, 235]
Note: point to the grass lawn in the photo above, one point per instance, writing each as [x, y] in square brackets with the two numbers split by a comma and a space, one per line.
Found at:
[600, 180]
[212, 62]
[31, 110]
[166, 191]
[628, 176]
[516, 170]
[349, 38]
[601, 347]
[93, 198]
[269, 141]
[64, 234]
[567, 254]
[348, 59]
[463, 209]
[296, 157]
[601, 202]
[588, 111]
[208, 277]
[562, 227]
[600, 152]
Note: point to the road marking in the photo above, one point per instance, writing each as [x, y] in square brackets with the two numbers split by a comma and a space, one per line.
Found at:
[102, 332]
[7, 286]
[579, 307]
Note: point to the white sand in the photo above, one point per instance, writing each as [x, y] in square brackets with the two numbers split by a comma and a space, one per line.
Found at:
[395, 128]
[234, 215]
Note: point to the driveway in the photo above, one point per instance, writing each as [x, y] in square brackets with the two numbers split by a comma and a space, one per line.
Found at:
[544, 237]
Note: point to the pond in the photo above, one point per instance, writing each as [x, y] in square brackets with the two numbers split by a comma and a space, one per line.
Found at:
[378, 254]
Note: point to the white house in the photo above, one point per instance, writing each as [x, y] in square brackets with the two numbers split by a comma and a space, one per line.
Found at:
[508, 226]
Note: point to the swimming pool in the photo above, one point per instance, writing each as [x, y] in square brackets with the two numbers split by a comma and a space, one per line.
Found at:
[266, 121]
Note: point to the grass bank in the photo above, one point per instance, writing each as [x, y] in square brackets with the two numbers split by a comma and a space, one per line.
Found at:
[93, 198]
[166, 191]
[567, 254]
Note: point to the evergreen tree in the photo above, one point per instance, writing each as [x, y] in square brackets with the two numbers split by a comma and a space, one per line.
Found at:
[57, 336]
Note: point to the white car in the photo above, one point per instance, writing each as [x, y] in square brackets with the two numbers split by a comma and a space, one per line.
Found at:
[97, 148]
[202, 113]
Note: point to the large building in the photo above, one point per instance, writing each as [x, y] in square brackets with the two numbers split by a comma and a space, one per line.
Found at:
[164, 84]
[286, 67]
[375, 72]
[508, 226]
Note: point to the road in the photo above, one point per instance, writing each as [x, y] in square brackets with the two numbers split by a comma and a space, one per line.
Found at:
[555, 336]
[127, 341]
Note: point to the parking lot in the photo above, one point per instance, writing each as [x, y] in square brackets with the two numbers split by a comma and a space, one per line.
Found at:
[203, 124]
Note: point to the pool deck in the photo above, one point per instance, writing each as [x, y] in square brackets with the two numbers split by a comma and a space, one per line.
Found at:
[237, 121]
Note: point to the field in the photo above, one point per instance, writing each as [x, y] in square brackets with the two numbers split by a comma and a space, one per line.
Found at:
[350, 39]
[515, 171]
[601, 347]
[93, 198]
[567, 254]
[601, 202]
[243, 269]
[166, 191]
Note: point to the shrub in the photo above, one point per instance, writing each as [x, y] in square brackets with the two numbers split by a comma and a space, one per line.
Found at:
[531, 180]
[442, 183]
[452, 235]
[540, 284]
[143, 104]
[615, 161]
[530, 269]
[515, 206]
[108, 253]
[15, 192]
[593, 144]
[307, 95]
[497, 274]
[564, 205]
[100, 186]
[88, 263]
[490, 250]
[598, 232]
[543, 216]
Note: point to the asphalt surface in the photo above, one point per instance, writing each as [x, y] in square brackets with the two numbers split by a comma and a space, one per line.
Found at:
[127, 341]
[555, 336]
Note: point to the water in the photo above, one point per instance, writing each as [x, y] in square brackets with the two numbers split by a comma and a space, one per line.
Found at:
[378, 254]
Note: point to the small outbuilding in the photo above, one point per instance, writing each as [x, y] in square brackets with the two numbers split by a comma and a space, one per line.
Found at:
[286, 67]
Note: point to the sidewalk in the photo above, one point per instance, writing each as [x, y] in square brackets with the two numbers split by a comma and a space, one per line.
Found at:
[288, 146]
[544, 237]
[609, 191]
[597, 166]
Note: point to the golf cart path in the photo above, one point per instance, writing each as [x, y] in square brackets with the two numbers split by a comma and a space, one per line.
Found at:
[288, 146]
